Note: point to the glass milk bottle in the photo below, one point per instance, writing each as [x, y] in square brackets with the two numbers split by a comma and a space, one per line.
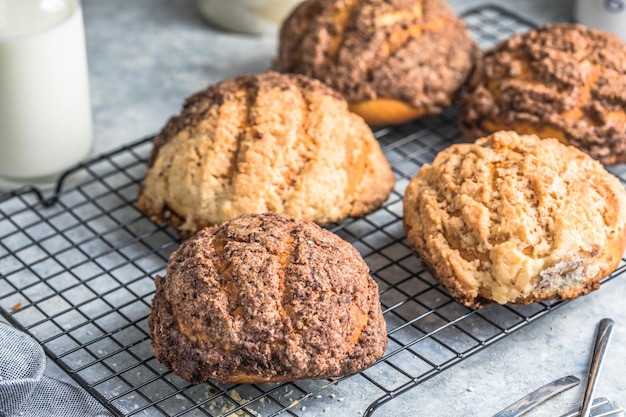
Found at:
[45, 111]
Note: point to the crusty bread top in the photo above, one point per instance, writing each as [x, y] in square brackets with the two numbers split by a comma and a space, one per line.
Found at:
[561, 80]
[266, 298]
[417, 51]
[516, 219]
[261, 143]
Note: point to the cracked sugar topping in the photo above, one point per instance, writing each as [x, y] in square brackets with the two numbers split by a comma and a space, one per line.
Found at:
[515, 218]
[266, 298]
[419, 52]
[561, 80]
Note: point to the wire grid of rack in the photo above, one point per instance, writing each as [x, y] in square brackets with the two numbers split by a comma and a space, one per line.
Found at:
[77, 274]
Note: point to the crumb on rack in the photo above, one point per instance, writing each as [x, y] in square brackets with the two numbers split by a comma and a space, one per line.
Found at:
[226, 406]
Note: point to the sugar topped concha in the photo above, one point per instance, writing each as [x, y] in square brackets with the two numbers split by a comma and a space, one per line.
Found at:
[516, 219]
[266, 298]
[393, 60]
[264, 143]
[561, 80]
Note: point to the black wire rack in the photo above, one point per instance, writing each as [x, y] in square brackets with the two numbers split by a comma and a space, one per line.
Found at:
[77, 269]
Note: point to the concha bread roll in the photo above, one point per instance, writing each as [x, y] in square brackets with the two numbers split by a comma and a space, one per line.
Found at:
[266, 298]
[563, 80]
[516, 219]
[393, 60]
[268, 142]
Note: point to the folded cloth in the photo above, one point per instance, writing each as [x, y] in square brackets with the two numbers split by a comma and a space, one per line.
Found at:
[26, 392]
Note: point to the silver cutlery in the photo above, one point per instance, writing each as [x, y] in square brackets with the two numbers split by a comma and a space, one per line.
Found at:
[600, 407]
[532, 400]
[603, 336]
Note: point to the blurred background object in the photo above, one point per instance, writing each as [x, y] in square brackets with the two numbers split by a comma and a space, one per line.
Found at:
[608, 15]
[247, 16]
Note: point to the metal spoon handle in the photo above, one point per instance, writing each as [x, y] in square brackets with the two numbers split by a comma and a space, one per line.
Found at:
[532, 400]
[603, 335]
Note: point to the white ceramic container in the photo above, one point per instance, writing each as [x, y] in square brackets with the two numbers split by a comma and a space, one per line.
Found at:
[247, 16]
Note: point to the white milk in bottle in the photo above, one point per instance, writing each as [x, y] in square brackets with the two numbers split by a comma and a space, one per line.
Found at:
[45, 111]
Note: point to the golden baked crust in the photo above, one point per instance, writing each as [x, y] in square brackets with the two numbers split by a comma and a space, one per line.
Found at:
[417, 53]
[516, 219]
[264, 143]
[266, 298]
[561, 80]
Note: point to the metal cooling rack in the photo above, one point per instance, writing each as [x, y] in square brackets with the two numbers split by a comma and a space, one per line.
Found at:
[76, 273]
